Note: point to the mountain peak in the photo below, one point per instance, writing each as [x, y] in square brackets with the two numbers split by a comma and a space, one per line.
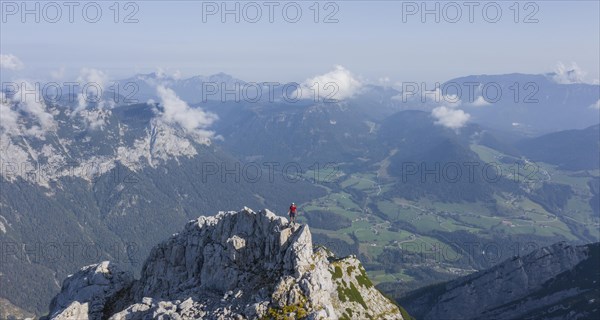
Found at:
[234, 265]
[152, 76]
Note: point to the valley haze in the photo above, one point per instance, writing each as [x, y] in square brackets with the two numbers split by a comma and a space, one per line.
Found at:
[299, 160]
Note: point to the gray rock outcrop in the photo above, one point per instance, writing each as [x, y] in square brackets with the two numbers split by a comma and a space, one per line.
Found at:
[235, 265]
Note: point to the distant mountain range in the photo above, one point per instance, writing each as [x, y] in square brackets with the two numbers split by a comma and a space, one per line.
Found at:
[106, 188]
[94, 180]
[189, 89]
[524, 103]
[557, 282]
[530, 104]
[570, 149]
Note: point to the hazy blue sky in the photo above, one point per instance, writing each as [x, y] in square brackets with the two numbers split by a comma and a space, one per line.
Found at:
[370, 39]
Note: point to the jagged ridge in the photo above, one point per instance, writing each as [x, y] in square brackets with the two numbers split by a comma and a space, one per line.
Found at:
[556, 282]
[235, 265]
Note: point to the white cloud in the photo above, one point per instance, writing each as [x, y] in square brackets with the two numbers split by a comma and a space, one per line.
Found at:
[90, 75]
[177, 75]
[451, 100]
[337, 84]
[450, 118]
[10, 62]
[38, 110]
[58, 74]
[480, 102]
[568, 75]
[9, 119]
[34, 105]
[177, 111]
[160, 73]
[167, 74]
[81, 104]
[41, 120]
[595, 105]
[384, 81]
[96, 82]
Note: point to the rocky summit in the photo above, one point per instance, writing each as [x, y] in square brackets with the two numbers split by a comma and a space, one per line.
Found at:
[234, 265]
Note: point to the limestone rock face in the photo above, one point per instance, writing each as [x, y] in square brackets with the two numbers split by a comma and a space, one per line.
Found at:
[556, 282]
[234, 265]
[85, 294]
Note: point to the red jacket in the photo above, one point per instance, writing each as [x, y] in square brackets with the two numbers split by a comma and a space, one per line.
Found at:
[292, 209]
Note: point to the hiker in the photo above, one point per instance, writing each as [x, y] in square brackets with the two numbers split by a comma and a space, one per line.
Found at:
[292, 213]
